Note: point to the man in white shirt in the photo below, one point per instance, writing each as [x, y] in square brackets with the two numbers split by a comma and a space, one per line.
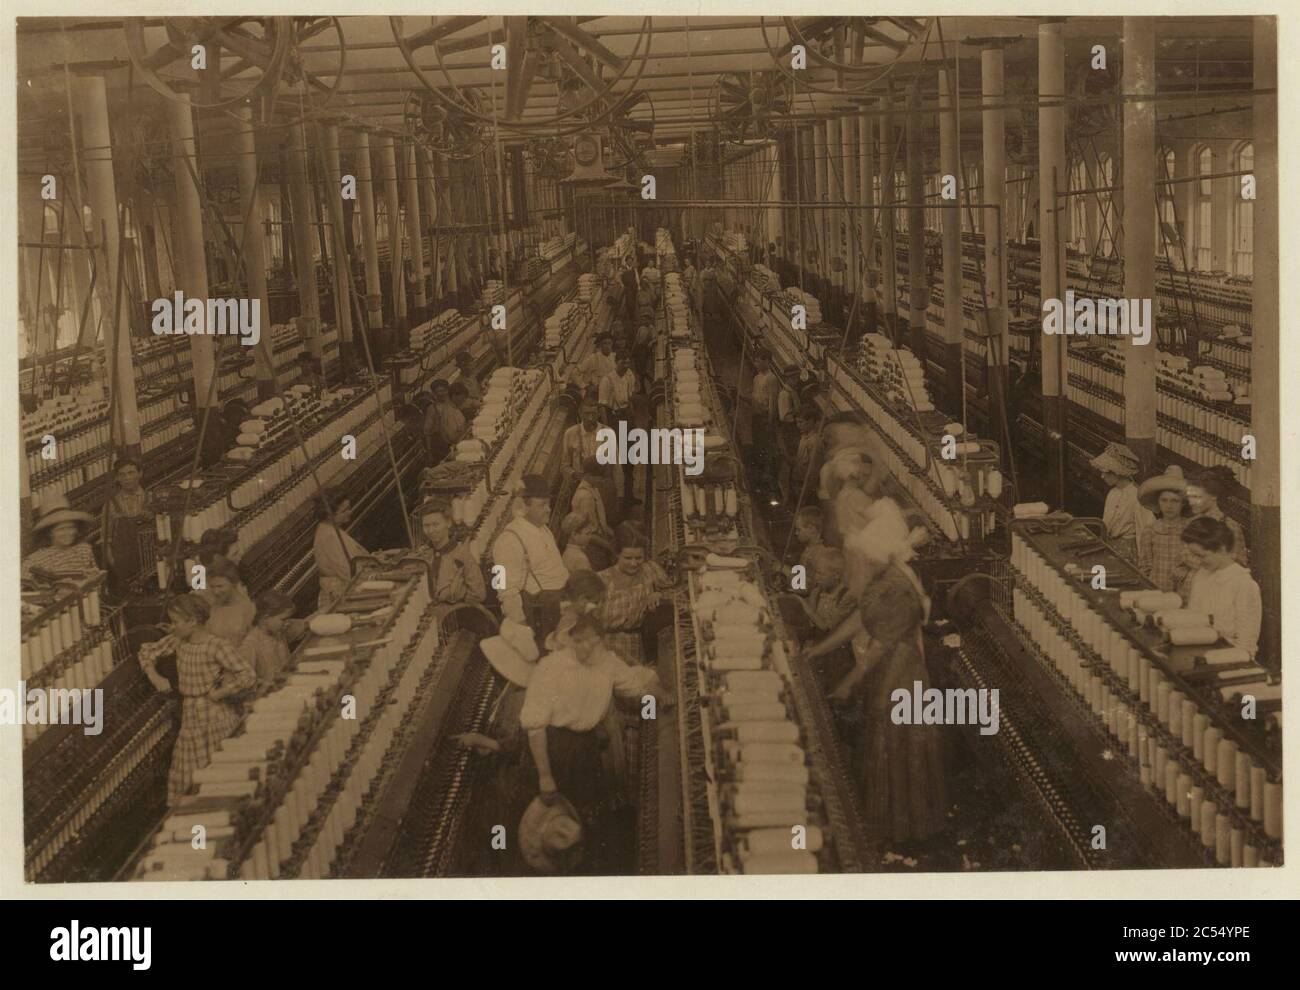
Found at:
[616, 389]
[533, 567]
[597, 364]
[579, 445]
[566, 700]
[615, 394]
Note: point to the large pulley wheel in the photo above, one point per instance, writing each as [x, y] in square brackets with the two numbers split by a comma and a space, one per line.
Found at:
[217, 62]
[749, 105]
[859, 50]
[553, 48]
[450, 132]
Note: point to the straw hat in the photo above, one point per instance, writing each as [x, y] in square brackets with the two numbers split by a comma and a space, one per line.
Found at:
[1117, 459]
[550, 836]
[513, 652]
[54, 509]
[1171, 481]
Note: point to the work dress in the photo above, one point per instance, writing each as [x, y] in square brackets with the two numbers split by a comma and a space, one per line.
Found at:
[900, 766]
[200, 667]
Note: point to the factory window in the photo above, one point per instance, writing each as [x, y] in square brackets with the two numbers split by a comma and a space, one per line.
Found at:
[1106, 221]
[1204, 210]
[1078, 240]
[1243, 214]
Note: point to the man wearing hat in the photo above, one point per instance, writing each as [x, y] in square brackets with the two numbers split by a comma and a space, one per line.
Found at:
[551, 836]
[1160, 545]
[533, 568]
[61, 530]
[1123, 515]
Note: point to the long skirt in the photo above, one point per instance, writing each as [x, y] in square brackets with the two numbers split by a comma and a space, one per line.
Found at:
[901, 765]
[577, 766]
[204, 724]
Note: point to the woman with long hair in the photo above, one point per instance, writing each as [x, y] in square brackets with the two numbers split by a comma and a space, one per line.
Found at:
[334, 547]
[1219, 585]
[1205, 489]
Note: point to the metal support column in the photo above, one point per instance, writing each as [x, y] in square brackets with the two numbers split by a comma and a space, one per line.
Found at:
[1052, 178]
[396, 256]
[888, 244]
[349, 358]
[370, 247]
[867, 197]
[192, 276]
[253, 241]
[1139, 179]
[1266, 401]
[91, 98]
[954, 317]
[995, 247]
[415, 233]
[304, 255]
[918, 273]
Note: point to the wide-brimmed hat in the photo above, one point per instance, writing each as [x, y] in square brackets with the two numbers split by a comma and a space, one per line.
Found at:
[512, 652]
[1117, 459]
[54, 509]
[550, 835]
[1171, 481]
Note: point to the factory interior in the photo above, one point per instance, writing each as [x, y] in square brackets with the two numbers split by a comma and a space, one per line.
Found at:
[636, 445]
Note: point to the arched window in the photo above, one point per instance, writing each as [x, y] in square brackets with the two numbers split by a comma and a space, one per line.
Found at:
[1204, 226]
[1106, 207]
[1079, 209]
[1166, 215]
[1243, 213]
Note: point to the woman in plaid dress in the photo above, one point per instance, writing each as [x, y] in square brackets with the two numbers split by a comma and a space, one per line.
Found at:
[632, 591]
[210, 672]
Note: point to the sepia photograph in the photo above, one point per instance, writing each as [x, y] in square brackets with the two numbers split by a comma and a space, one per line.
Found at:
[645, 445]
